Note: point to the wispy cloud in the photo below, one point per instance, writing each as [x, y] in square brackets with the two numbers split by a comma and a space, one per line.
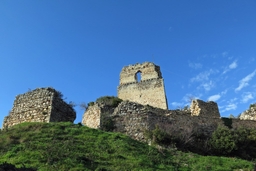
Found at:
[247, 96]
[189, 97]
[204, 79]
[224, 54]
[177, 104]
[233, 65]
[207, 85]
[214, 97]
[231, 105]
[245, 81]
[195, 65]
[203, 76]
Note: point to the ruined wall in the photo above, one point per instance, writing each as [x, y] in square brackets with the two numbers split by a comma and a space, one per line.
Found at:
[201, 108]
[133, 119]
[39, 105]
[94, 115]
[149, 90]
[249, 114]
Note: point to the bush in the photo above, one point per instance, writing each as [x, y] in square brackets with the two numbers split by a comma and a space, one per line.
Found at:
[108, 124]
[222, 141]
[158, 136]
[109, 100]
[234, 142]
[252, 105]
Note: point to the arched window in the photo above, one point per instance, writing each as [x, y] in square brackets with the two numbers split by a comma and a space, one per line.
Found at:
[138, 76]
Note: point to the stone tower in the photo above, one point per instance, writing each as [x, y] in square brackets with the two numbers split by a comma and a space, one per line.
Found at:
[39, 105]
[143, 83]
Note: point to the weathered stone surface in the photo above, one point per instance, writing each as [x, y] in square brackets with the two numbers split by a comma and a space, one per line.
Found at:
[199, 107]
[39, 105]
[134, 119]
[94, 115]
[249, 114]
[149, 90]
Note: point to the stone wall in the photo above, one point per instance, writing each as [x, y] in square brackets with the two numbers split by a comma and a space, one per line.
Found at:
[201, 108]
[149, 90]
[249, 114]
[39, 105]
[134, 119]
[95, 114]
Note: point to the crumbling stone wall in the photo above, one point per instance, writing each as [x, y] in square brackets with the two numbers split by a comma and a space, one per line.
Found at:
[201, 108]
[249, 114]
[133, 119]
[95, 115]
[149, 90]
[39, 105]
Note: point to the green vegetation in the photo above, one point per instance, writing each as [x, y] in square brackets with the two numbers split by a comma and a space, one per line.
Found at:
[234, 142]
[227, 122]
[67, 146]
[224, 141]
[253, 105]
[109, 100]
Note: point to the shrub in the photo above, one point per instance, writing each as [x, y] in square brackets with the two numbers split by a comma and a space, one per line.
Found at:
[109, 100]
[222, 141]
[90, 104]
[158, 136]
[252, 105]
[108, 124]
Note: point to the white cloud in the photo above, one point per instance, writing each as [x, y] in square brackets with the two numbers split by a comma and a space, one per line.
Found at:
[233, 65]
[189, 97]
[195, 65]
[244, 82]
[214, 97]
[224, 54]
[176, 104]
[231, 106]
[208, 85]
[203, 76]
[246, 97]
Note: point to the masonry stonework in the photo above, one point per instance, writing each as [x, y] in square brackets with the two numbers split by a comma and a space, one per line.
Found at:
[199, 107]
[249, 114]
[95, 114]
[39, 105]
[148, 90]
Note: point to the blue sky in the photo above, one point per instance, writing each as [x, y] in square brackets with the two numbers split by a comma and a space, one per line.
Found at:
[206, 49]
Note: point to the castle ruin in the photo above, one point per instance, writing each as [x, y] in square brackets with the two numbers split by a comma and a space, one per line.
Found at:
[143, 83]
[39, 105]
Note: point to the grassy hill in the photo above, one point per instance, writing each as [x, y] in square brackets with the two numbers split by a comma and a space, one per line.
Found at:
[67, 146]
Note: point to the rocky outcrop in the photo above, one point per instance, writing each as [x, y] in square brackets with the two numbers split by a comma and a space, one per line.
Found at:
[249, 114]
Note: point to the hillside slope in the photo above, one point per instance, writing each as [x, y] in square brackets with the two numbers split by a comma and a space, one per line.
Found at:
[67, 146]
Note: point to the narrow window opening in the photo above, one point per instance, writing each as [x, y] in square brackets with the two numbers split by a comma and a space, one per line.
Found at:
[138, 76]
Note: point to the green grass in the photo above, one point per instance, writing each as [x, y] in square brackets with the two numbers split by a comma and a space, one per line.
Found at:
[67, 146]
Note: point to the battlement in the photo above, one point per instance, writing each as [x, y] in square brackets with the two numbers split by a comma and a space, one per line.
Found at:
[39, 105]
